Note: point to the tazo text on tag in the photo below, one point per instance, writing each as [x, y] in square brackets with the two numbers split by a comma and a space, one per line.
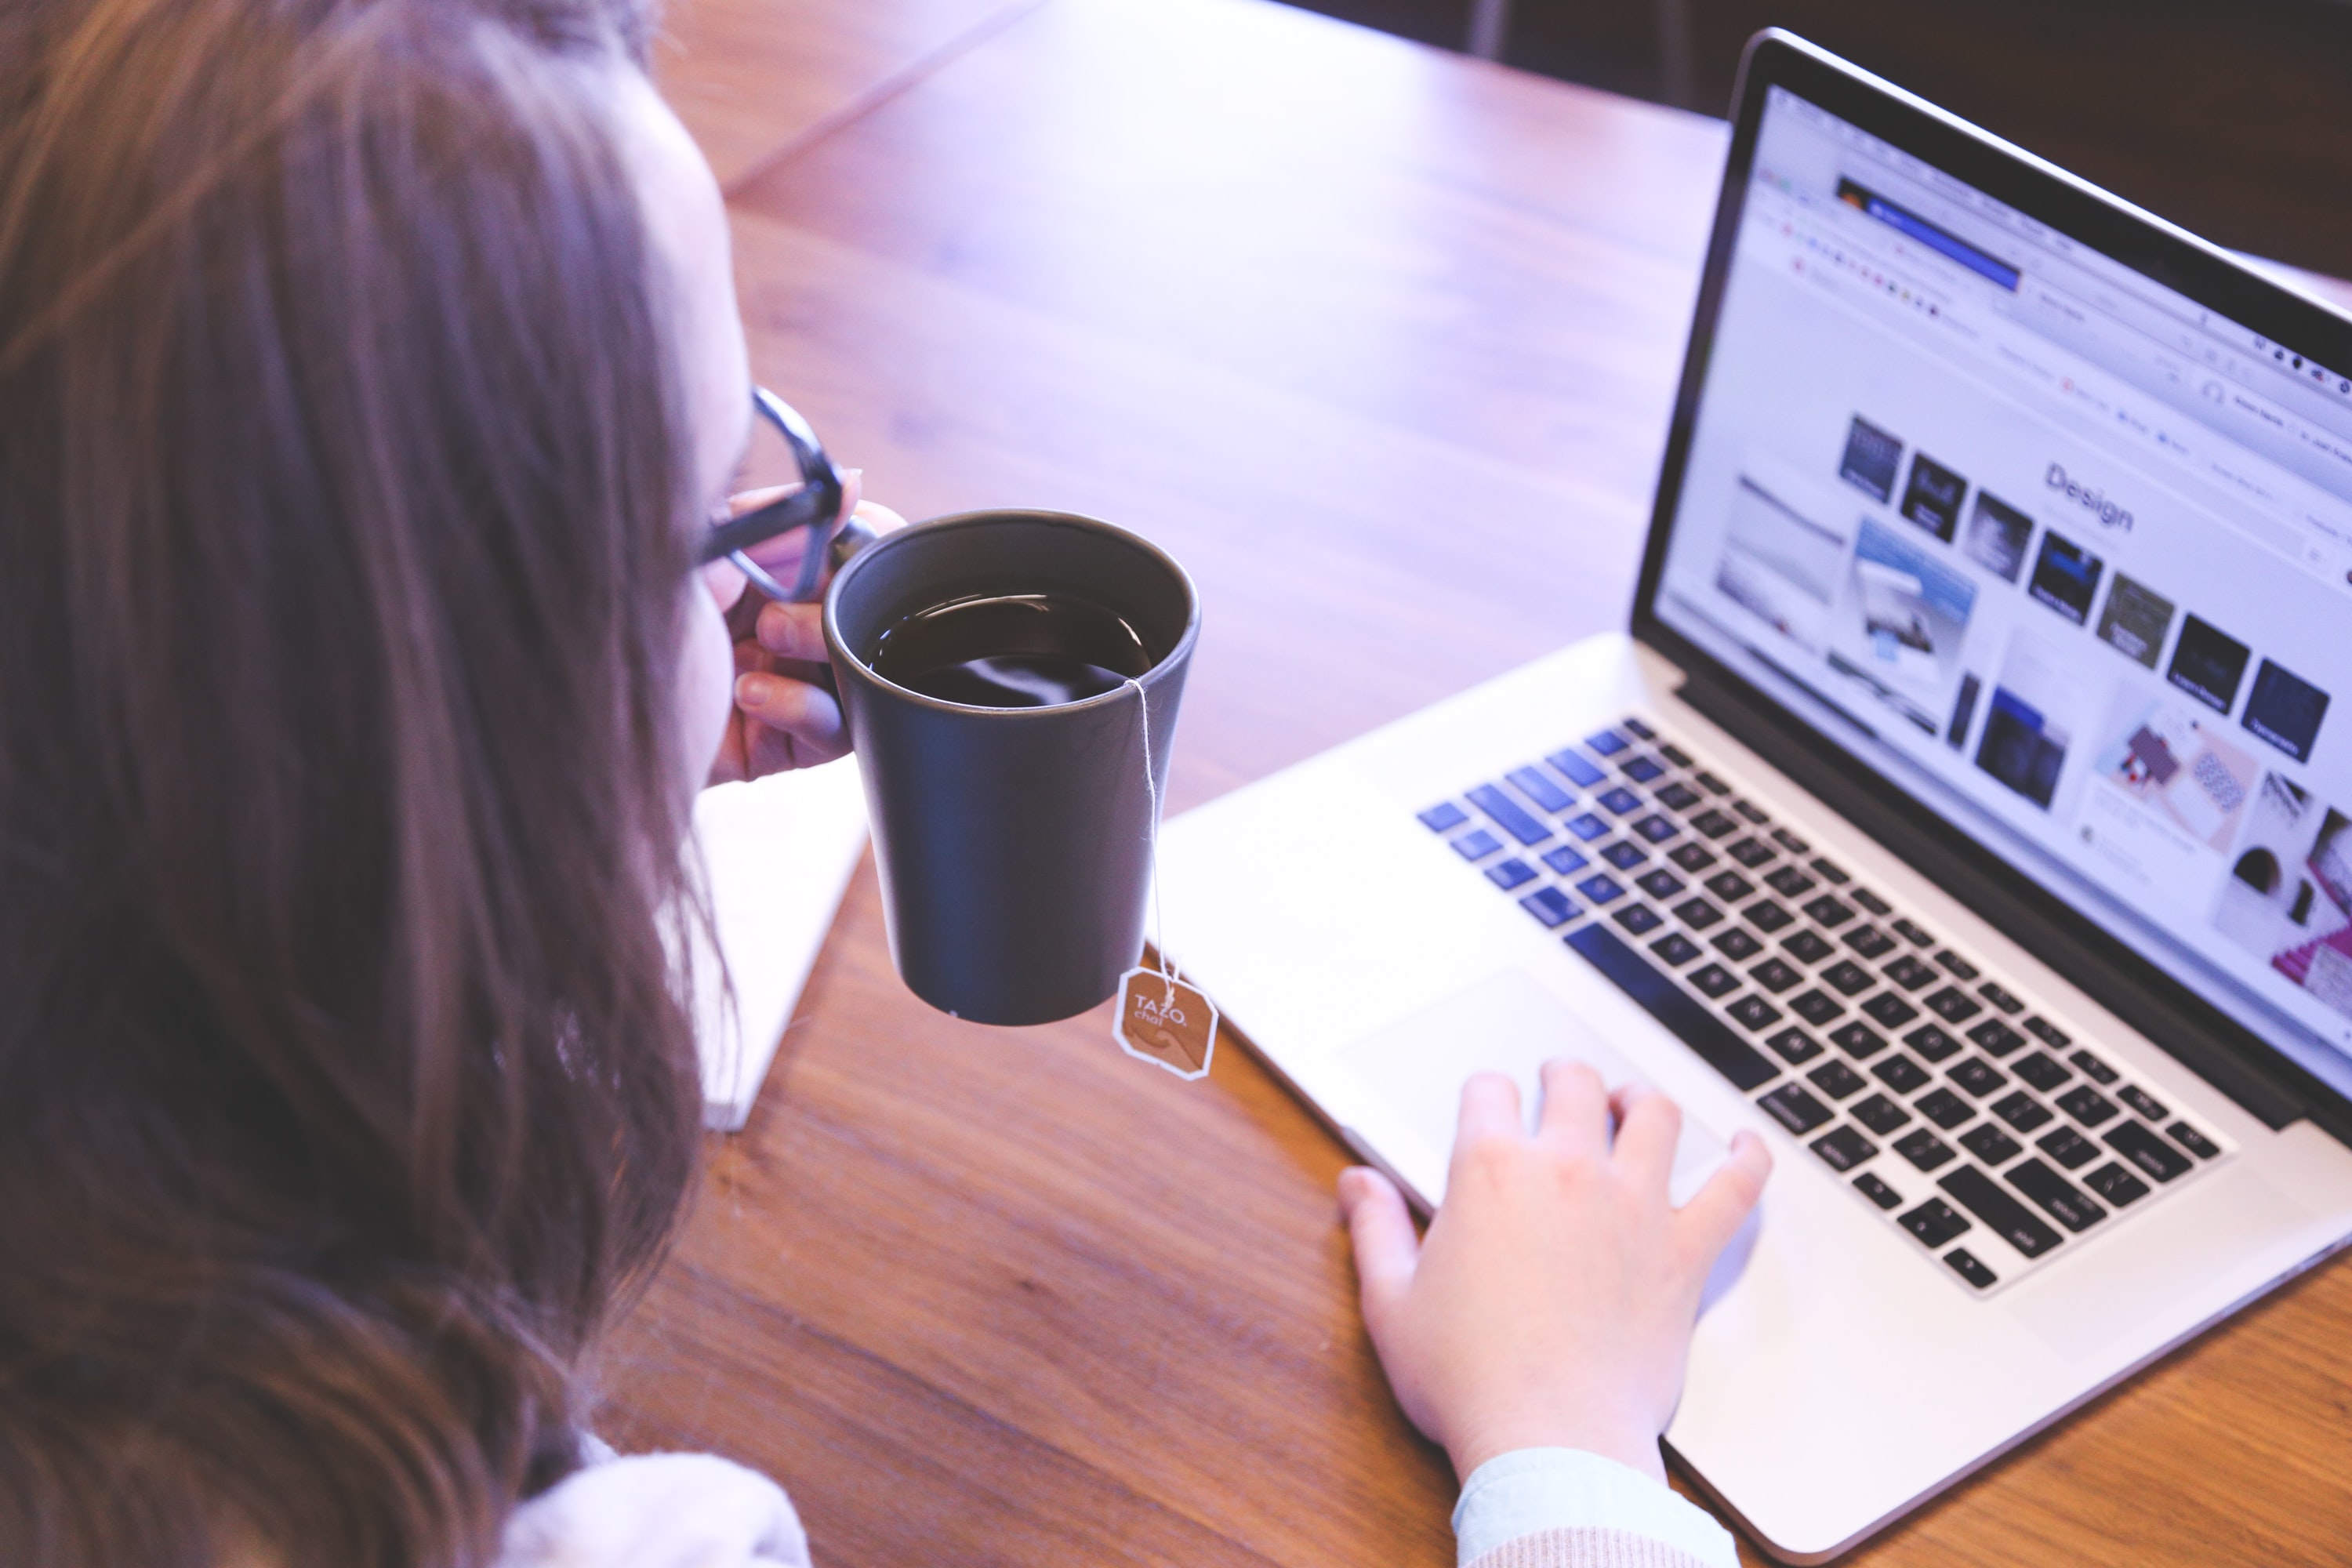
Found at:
[1165, 1021]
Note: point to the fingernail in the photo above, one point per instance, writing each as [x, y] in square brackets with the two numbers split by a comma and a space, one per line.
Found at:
[754, 691]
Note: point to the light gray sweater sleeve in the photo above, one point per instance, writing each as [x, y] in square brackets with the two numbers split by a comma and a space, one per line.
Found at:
[1563, 1507]
[657, 1510]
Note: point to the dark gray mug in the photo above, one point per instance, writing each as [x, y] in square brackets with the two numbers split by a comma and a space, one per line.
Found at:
[1015, 843]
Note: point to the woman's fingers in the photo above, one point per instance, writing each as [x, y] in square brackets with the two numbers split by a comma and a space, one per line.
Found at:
[1490, 1109]
[1575, 1108]
[1649, 1125]
[1718, 1209]
[806, 718]
[792, 631]
[1386, 1248]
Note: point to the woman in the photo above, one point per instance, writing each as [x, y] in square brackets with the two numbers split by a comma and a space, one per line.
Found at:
[370, 369]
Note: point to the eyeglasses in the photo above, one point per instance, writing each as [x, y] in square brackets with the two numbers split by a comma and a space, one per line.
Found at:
[816, 504]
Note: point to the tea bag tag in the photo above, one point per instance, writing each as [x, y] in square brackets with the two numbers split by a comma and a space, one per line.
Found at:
[1166, 1022]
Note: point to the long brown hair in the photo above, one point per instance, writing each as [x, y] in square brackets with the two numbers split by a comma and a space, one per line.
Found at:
[344, 1086]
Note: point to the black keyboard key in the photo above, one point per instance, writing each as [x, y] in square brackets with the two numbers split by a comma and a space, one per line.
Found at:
[2115, 1184]
[1944, 1107]
[1621, 801]
[1712, 823]
[1871, 902]
[1729, 886]
[1788, 882]
[2022, 1111]
[1697, 913]
[1836, 1080]
[1538, 786]
[1639, 919]
[2086, 1105]
[1565, 861]
[1924, 1149]
[2008, 1218]
[1587, 827]
[1817, 1007]
[1976, 1075]
[1737, 945]
[1880, 1114]
[2092, 1068]
[1794, 1047]
[2042, 1071]
[1657, 829]
[2196, 1143]
[1959, 968]
[1752, 812]
[2068, 1147]
[2054, 1195]
[1858, 1042]
[1659, 884]
[1989, 1143]
[1911, 933]
[1877, 1191]
[1578, 769]
[1848, 978]
[1692, 858]
[1674, 950]
[1830, 911]
[1807, 946]
[1635, 727]
[1624, 855]
[1509, 815]
[1996, 1038]
[1795, 1109]
[1753, 1013]
[1749, 852]
[1901, 1074]
[1909, 972]
[1769, 917]
[1953, 1004]
[1712, 784]
[1675, 754]
[1833, 873]
[1675, 795]
[1511, 873]
[1890, 1010]
[1934, 1222]
[1642, 770]
[1869, 940]
[2000, 998]
[1600, 887]
[1931, 1042]
[2139, 1099]
[1970, 1268]
[1843, 1148]
[1443, 817]
[1551, 906]
[1790, 841]
[1775, 977]
[1714, 982]
[1733, 1058]
[1606, 744]
[2048, 1032]
[1476, 845]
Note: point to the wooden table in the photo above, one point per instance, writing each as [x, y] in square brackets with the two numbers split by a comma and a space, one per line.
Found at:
[1381, 342]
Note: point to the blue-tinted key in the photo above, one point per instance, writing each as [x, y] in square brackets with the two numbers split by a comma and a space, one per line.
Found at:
[1621, 801]
[1443, 818]
[1476, 845]
[1641, 770]
[1655, 828]
[1509, 815]
[1587, 827]
[1512, 873]
[1608, 742]
[1599, 888]
[1551, 906]
[1565, 859]
[1579, 769]
[1538, 787]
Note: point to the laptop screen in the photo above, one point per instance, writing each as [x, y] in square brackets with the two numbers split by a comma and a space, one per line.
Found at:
[2050, 547]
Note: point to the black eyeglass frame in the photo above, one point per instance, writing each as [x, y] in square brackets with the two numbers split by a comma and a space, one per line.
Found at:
[816, 504]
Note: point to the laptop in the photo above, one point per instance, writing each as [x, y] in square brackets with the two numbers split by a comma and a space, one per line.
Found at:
[1967, 808]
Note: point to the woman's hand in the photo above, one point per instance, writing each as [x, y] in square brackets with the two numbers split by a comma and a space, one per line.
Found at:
[1552, 1302]
[783, 718]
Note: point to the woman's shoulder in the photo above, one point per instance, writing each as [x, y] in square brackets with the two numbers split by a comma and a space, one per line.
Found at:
[657, 1510]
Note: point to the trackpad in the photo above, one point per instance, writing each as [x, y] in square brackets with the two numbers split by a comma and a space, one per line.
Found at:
[1507, 1024]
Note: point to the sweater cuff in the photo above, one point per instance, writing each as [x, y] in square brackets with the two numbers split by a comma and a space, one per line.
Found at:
[1531, 1491]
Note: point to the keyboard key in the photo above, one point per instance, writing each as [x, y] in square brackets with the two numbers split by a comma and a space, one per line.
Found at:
[1623, 854]
[1830, 911]
[2092, 1068]
[1737, 945]
[1976, 1075]
[1890, 1010]
[1712, 784]
[1900, 1073]
[2042, 1071]
[1621, 801]
[1539, 788]
[1909, 972]
[1790, 841]
[1924, 1149]
[1600, 887]
[1655, 828]
[1642, 770]
[1712, 823]
[1751, 812]
[1831, 872]
[1565, 859]
[1871, 902]
[1913, 934]
[1692, 858]
[1817, 1007]
[1788, 882]
[2056, 1197]
[1444, 817]
[1877, 1191]
[1953, 1005]
[2008, 1218]
[2048, 1032]
[1836, 1080]
[1880, 1114]
[1675, 754]
[1509, 815]
[1511, 873]
[1934, 1222]
[1858, 1042]
[1848, 978]
[1769, 917]
[1675, 795]
[1577, 769]
[1996, 1038]
[1729, 886]
[1606, 744]
[1697, 913]
[1631, 973]
[1944, 1107]
[2069, 1148]
[1794, 1047]
[1639, 919]
[1749, 852]
[2196, 1143]
[1774, 975]
[2115, 1184]
[1795, 1109]
[1989, 1143]
[1959, 968]
[1807, 946]
[2022, 1111]
[1674, 950]
[2139, 1099]
[1587, 827]
[1551, 906]
[1869, 940]
[1969, 1267]
[1753, 1013]
[2000, 998]
[1659, 884]
[1635, 727]
[1714, 982]
[1476, 845]
[1843, 1148]
[1931, 1042]
[2086, 1105]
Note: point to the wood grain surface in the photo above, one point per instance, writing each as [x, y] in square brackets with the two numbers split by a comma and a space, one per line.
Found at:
[1381, 342]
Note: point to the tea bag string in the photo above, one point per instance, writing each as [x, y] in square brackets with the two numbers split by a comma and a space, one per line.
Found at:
[1152, 793]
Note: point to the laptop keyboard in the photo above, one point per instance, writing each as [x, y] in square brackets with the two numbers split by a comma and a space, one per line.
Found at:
[1968, 1117]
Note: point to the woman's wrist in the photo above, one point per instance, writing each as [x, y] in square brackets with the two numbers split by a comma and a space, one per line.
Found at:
[1627, 1442]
